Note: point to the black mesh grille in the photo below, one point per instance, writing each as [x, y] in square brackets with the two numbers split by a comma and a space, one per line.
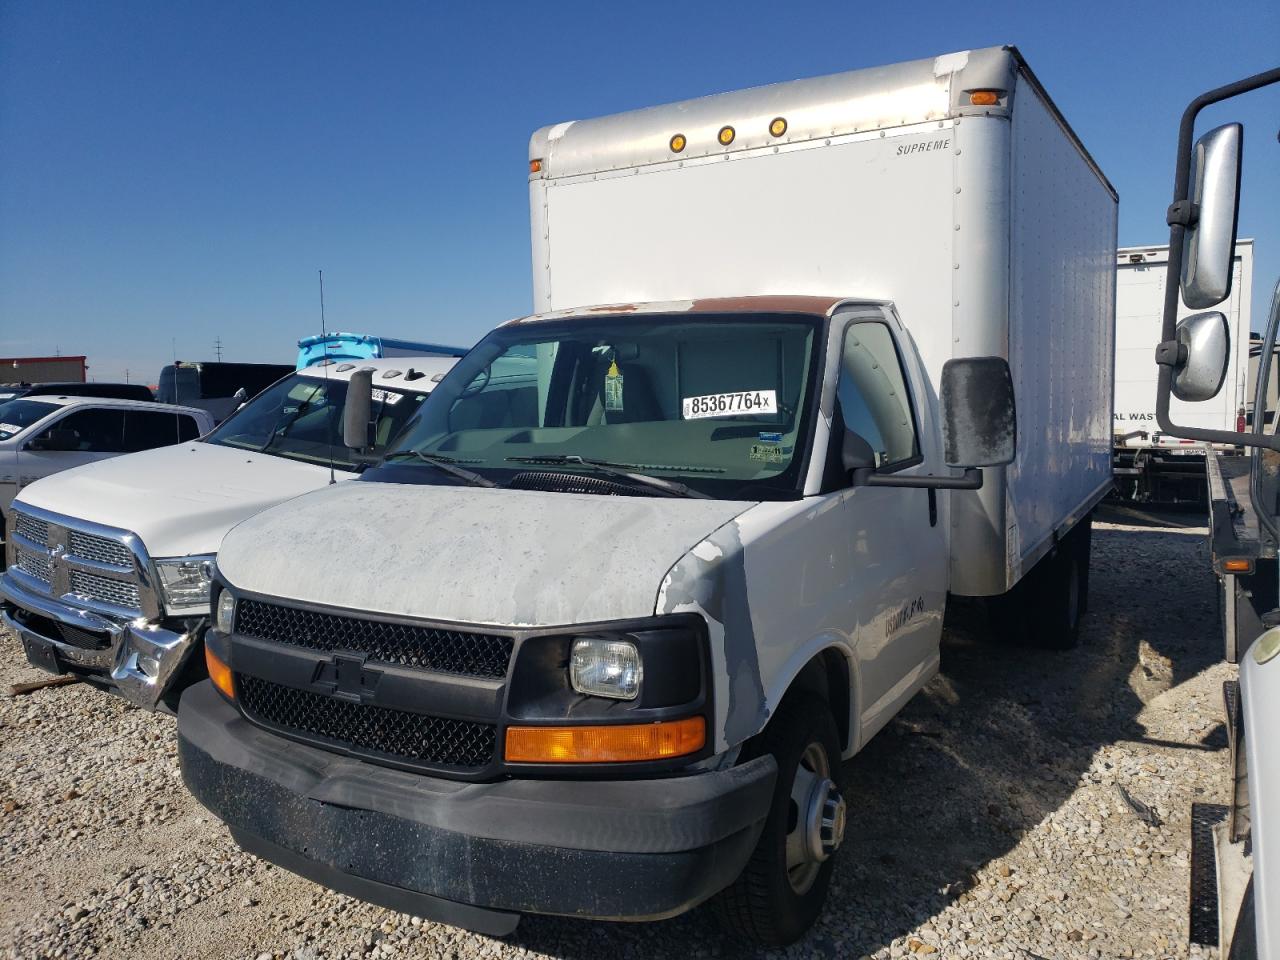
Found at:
[430, 648]
[368, 729]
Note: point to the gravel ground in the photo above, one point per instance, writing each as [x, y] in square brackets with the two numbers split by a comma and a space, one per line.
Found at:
[988, 820]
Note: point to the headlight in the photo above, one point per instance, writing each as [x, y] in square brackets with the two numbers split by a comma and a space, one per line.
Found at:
[606, 668]
[185, 583]
[224, 617]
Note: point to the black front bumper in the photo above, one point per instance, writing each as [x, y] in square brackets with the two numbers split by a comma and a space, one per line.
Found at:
[475, 855]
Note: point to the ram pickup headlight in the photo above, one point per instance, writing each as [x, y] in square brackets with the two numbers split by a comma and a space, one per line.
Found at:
[224, 615]
[185, 582]
[606, 668]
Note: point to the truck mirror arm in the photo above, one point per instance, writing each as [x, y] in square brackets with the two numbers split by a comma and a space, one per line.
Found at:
[1182, 213]
[971, 479]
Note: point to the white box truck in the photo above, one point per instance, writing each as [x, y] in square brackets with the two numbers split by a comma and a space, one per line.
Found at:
[655, 560]
[1151, 466]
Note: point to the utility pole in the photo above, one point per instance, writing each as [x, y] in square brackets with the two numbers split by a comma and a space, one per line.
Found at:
[126, 374]
[217, 348]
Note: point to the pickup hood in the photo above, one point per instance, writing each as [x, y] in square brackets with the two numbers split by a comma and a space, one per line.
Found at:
[470, 555]
[180, 500]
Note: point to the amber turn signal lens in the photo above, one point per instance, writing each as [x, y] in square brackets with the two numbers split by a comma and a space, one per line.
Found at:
[726, 135]
[677, 143]
[778, 127]
[1237, 566]
[219, 673]
[612, 744]
[984, 98]
[535, 166]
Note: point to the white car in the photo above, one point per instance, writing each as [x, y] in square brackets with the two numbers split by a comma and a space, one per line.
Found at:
[43, 435]
[108, 565]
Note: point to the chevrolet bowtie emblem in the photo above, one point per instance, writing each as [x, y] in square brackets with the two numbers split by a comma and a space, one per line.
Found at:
[346, 678]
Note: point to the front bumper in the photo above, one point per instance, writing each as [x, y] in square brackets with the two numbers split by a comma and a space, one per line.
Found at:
[138, 661]
[475, 855]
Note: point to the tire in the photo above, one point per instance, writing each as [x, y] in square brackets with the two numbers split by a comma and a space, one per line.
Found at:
[1047, 606]
[770, 904]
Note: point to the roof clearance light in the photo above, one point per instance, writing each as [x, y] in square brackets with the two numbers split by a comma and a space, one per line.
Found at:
[726, 135]
[535, 166]
[678, 143]
[778, 126]
[984, 98]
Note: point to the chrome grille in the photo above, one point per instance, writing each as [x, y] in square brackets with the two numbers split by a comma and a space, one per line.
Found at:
[34, 530]
[90, 586]
[37, 565]
[101, 549]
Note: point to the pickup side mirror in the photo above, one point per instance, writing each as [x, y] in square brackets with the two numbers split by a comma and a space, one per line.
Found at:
[1210, 244]
[357, 413]
[979, 418]
[55, 440]
[240, 396]
[856, 453]
[1204, 351]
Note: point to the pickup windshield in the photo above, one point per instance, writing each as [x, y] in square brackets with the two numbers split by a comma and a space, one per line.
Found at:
[300, 418]
[717, 404]
[17, 415]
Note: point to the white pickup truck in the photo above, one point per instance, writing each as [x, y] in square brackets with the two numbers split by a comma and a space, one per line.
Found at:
[107, 564]
[595, 635]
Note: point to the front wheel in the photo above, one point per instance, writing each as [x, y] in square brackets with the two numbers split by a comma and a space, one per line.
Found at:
[784, 885]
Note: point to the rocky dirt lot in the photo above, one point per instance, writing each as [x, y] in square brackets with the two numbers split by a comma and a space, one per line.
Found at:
[987, 821]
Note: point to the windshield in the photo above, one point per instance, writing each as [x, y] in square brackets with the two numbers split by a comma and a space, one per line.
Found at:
[300, 418]
[17, 415]
[717, 403]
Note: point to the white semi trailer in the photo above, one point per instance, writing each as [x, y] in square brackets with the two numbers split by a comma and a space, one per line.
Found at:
[1151, 466]
[595, 637]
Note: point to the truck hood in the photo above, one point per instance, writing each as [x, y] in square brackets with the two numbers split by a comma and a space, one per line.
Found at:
[514, 558]
[180, 500]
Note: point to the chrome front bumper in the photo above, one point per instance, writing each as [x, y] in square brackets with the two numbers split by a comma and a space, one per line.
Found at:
[139, 662]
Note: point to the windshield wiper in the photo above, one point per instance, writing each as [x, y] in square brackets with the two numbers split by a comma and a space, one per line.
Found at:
[445, 464]
[668, 487]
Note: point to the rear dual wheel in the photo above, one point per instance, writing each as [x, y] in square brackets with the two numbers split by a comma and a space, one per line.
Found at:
[1046, 607]
[782, 889]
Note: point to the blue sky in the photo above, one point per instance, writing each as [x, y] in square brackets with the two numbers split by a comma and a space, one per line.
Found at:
[180, 170]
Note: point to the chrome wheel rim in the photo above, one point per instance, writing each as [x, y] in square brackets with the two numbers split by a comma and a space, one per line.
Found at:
[816, 818]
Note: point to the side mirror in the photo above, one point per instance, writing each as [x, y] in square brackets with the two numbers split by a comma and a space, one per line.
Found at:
[1214, 192]
[357, 433]
[1204, 350]
[240, 396]
[56, 440]
[856, 453]
[979, 419]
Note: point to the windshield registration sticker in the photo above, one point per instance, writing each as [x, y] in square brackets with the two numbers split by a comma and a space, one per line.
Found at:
[746, 403]
[386, 396]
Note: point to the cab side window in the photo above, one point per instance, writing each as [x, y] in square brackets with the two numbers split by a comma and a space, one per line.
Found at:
[873, 397]
[88, 431]
[148, 429]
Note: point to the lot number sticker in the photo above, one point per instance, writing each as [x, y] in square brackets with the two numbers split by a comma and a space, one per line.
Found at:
[746, 403]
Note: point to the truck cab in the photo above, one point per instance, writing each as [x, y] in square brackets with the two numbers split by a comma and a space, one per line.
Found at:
[108, 564]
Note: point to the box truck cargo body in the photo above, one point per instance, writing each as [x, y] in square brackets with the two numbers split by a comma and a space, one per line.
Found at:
[989, 227]
[1150, 466]
[703, 513]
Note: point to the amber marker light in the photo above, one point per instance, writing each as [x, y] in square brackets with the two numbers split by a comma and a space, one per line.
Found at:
[778, 126]
[535, 166]
[984, 98]
[1237, 566]
[619, 743]
[219, 673]
[726, 135]
[678, 143]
